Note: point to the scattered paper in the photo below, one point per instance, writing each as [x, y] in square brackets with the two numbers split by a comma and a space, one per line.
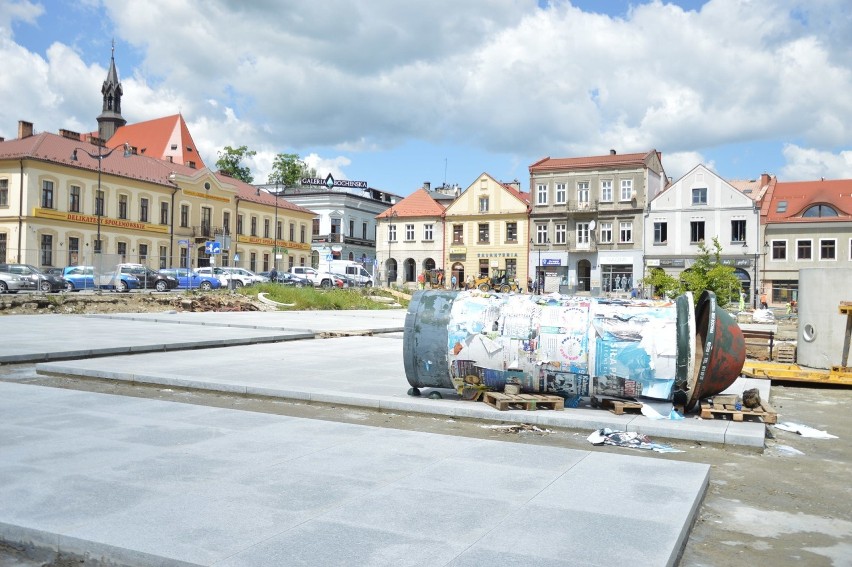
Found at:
[804, 430]
[631, 439]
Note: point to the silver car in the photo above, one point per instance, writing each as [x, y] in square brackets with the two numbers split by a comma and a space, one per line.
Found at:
[13, 283]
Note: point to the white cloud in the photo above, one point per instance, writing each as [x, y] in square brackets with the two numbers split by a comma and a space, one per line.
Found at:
[809, 163]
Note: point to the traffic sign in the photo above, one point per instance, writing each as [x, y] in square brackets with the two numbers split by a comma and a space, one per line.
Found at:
[212, 247]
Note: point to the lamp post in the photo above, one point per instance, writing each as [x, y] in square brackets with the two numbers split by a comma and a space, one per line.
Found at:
[99, 201]
[391, 218]
[754, 271]
[539, 283]
[275, 231]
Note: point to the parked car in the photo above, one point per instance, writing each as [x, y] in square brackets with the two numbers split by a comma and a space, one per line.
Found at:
[40, 280]
[348, 281]
[319, 279]
[83, 277]
[13, 283]
[286, 278]
[190, 279]
[225, 277]
[148, 278]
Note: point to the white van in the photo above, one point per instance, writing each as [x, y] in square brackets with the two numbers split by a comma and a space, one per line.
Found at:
[351, 269]
[319, 279]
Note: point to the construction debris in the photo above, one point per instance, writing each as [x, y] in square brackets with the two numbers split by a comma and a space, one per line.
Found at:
[630, 439]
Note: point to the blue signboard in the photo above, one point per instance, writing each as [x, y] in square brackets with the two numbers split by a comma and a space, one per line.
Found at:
[212, 247]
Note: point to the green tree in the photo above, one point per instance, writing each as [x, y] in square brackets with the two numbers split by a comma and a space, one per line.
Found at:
[289, 169]
[707, 272]
[230, 160]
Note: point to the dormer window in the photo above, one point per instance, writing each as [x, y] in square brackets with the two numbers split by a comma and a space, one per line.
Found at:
[781, 207]
[820, 211]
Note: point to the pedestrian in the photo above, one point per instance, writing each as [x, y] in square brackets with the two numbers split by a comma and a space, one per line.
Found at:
[453, 282]
[273, 275]
[742, 301]
[763, 304]
[421, 281]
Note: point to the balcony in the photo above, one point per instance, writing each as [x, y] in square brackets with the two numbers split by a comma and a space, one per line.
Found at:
[333, 238]
[583, 206]
[206, 231]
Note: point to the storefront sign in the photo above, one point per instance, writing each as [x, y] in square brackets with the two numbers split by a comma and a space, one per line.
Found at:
[551, 262]
[332, 182]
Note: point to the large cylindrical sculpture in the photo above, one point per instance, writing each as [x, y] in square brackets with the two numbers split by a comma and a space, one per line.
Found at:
[572, 345]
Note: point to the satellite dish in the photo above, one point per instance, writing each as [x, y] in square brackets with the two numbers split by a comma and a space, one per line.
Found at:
[592, 225]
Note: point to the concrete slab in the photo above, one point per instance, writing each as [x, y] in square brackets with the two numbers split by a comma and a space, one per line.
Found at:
[32, 338]
[149, 482]
[365, 371]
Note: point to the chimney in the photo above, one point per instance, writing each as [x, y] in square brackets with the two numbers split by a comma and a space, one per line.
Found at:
[92, 139]
[70, 134]
[25, 129]
[764, 179]
[427, 185]
[612, 152]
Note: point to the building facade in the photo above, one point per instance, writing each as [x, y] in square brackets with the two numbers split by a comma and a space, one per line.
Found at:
[486, 228]
[806, 224]
[411, 239]
[695, 210]
[587, 221]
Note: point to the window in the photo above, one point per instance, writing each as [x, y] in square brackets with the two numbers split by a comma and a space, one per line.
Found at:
[541, 194]
[804, 250]
[583, 193]
[560, 193]
[122, 206]
[699, 196]
[626, 189]
[266, 224]
[661, 232]
[511, 267]
[483, 204]
[121, 248]
[696, 232]
[779, 249]
[99, 203]
[511, 232]
[164, 257]
[458, 234]
[625, 231]
[781, 207]
[4, 193]
[184, 215]
[46, 249]
[606, 191]
[428, 232]
[253, 261]
[3, 246]
[483, 233]
[364, 230]
[391, 233]
[820, 211]
[606, 232]
[738, 231]
[253, 226]
[409, 232]
[302, 234]
[240, 224]
[351, 227]
[97, 246]
[73, 250]
[226, 222]
[541, 234]
[143, 209]
[827, 249]
[164, 212]
[73, 198]
[47, 194]
[292, 232]
[143, 253]
[560, 231]
[582, 235]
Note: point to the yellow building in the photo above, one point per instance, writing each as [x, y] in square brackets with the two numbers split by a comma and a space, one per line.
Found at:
[486, 229]
[65, 197]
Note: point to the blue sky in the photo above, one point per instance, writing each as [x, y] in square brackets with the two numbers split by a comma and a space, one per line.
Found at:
[396, 93]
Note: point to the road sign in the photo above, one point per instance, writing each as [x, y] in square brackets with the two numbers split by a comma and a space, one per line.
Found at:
[183, 242]
[212, 247]
[328, 258]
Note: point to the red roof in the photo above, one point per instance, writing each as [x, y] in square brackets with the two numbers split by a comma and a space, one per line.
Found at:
[608, 160]
[798, 196]
[52, 148]
[418, 204]
[161, 138]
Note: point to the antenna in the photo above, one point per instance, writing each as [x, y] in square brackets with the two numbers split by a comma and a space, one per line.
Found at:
[445, 172]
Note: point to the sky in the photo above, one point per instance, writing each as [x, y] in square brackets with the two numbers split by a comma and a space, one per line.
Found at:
[398, 93]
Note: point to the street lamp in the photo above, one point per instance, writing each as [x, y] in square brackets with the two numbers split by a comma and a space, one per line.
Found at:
[99, 200]
[754, 270]
[391, 218]
[539, 280]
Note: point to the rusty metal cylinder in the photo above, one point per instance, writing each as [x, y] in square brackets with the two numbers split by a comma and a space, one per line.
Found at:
[571, 345]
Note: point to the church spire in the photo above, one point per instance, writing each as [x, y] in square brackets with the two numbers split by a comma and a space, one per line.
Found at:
[110, 119]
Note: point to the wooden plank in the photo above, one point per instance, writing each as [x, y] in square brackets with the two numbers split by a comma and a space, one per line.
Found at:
[529, 402]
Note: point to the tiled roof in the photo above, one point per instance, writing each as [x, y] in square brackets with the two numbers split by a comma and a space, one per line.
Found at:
[418, 204]
[52, 148]
[798, 196]
[608, 160]
[525, 197]
[161, 138]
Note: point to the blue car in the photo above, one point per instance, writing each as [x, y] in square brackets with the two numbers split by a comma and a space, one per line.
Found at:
[189, 279]
[83, 277]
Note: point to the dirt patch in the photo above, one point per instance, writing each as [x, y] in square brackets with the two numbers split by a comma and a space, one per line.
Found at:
[140, 302]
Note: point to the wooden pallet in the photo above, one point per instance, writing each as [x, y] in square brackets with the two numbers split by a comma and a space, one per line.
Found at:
[618, 407]
[528, 402]
[765, 413]
[786, 353]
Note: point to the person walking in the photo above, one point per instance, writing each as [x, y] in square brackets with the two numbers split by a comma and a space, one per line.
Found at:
[763, 304]
[453, 282]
